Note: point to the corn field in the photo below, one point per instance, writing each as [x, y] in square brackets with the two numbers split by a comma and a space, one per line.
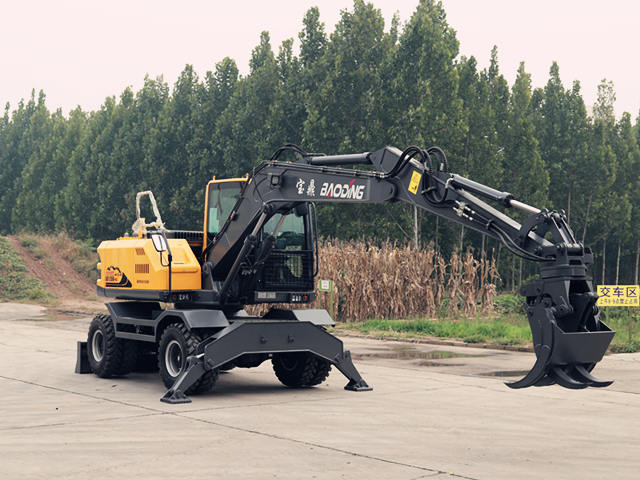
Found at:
[391, 281]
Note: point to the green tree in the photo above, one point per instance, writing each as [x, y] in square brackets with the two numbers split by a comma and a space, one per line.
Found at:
[562, 129]
[243, 130]
[625, 230]
[313, 40]
[525, 175]
[79, 196]
[343, 113]
[16, 147]
[35, 202]
[604, 109]
[173, 163]
[346, 110]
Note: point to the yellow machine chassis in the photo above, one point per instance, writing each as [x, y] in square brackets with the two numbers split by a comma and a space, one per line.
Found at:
[132, 263]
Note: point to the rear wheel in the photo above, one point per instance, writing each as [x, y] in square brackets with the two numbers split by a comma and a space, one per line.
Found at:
[300, 369]
[109, 356]
[176, 344]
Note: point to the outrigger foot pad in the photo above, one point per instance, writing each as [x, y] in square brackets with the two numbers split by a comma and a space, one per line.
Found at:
[175, 396]
[359, 386]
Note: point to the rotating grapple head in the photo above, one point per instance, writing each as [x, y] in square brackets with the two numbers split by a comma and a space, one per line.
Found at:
[568, 336]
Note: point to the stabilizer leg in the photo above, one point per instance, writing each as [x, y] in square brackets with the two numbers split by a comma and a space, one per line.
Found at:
[356, 383]
[195, 369]
[269, 338]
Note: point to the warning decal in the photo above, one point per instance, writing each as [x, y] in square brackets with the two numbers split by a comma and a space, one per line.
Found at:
[415, 181]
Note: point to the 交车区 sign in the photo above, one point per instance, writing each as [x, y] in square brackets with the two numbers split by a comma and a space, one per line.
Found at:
[618, 296]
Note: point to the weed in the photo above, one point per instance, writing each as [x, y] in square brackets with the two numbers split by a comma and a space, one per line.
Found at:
[509, 304]
[15, 282]
[81, 255]
[28, 241]
[480, 330]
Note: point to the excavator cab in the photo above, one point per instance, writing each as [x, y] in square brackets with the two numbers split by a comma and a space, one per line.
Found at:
[290, 263]
[282, 264]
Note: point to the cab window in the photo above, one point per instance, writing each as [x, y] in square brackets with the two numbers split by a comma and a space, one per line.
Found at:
[291, 233]
[222, 198]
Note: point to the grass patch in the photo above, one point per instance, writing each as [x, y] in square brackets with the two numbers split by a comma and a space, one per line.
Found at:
[508, 327]
[28, 241]
[480, 330]
[81, 255]
[626, 322]
[15, 281]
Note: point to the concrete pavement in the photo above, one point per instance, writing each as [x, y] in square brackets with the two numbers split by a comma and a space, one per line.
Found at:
[431, 415]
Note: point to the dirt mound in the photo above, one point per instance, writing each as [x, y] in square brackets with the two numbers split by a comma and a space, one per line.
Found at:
[71, 289]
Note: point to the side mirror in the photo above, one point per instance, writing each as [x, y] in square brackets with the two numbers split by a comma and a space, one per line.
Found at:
[159, 242]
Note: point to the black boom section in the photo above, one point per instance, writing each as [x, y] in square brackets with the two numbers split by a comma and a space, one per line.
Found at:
[569, 337]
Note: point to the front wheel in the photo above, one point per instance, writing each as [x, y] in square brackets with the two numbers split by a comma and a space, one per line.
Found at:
[300, 369]
[176, 344]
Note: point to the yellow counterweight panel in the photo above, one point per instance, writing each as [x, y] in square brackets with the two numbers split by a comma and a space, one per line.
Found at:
[134, 264]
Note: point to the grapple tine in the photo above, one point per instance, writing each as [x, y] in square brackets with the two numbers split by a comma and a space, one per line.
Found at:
[536, 373]
[541, 323]
[545, 381]
[585, 376]
[565, 380]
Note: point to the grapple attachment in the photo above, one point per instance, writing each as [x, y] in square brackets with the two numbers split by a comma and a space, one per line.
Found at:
[568, 336]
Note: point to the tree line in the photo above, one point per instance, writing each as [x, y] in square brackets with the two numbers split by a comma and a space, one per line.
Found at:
[357, 89]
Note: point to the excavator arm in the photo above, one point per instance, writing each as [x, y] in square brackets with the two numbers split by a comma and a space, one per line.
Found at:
[568, 336]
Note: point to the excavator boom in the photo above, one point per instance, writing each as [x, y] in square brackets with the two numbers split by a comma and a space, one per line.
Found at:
[569, 337]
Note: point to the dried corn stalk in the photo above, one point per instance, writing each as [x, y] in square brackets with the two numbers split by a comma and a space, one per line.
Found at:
[391, 281]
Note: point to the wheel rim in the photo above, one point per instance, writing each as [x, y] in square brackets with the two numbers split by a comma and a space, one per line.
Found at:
[289, 362]
[174, 358]
[97, 345]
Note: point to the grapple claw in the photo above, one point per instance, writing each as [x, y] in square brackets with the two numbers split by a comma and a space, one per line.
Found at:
[568, 336]
[537, 373]
[583, 374]
[564, 379]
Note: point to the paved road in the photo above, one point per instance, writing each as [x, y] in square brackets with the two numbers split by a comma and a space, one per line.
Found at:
[428, 417]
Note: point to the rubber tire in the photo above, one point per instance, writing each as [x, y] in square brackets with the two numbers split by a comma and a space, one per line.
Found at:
[300, 369]
[189, 341]
[119, 356]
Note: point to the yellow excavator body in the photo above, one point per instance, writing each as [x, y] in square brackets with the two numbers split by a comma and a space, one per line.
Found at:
[132, 263]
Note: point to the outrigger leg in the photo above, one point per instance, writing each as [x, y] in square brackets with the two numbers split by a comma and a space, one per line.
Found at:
[264, 337]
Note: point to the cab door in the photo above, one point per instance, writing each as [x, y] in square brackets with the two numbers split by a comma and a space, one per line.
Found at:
[220, 198]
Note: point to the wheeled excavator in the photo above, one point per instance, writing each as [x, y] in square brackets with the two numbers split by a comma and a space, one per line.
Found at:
[181, 294]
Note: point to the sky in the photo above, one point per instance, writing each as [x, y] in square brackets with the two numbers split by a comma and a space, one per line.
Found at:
[81, 51]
